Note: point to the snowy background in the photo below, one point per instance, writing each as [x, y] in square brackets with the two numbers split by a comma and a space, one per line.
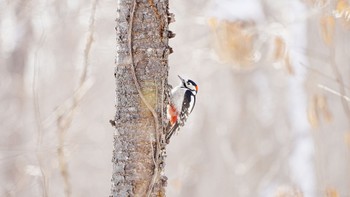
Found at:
[272, 117]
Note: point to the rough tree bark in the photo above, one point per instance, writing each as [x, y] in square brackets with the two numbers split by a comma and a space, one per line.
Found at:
[141, 95]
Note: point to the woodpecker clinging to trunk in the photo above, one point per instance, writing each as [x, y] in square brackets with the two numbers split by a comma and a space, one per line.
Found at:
[182, 102]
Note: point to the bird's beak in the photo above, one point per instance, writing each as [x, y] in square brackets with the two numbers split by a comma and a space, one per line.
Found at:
[196, 88]
[183, 80]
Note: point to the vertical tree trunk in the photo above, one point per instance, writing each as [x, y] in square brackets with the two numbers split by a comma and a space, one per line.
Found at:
[141, 78]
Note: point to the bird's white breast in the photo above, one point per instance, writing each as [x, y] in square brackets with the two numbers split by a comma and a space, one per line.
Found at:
[177, 95]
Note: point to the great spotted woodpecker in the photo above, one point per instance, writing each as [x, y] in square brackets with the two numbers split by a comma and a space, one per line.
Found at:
[182, 102]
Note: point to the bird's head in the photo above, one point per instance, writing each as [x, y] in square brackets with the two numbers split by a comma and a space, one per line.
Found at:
[189, 84]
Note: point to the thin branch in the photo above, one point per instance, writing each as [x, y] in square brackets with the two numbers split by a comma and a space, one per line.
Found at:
[89, 42]
[136, 82]
[317, 72]
[323, 74]
[35, 93]
[333, 92]
[339, 78]
[64, 120]
[79, 93]
[37, 115]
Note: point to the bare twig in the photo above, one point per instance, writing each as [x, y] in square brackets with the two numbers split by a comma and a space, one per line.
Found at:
[36, 93]
[38, 115]
[322, 74]
[65, 118]
[150, 108]
[317, 72]
[89, 42]
[68, 103]
[333, 92]
[339, 78]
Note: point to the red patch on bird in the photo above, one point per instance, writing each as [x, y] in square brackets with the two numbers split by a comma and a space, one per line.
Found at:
[172, 114]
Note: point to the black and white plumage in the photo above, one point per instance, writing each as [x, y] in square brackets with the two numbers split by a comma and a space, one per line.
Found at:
[182, 102]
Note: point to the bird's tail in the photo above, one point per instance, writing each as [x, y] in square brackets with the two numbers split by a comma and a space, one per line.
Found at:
[170, 131]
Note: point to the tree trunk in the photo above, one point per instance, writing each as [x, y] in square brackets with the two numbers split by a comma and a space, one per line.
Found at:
[141, 95]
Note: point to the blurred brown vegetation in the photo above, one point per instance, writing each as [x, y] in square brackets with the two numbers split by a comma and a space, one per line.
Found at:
[272, 116]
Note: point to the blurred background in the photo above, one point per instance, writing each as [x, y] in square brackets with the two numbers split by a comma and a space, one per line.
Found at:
[272, 116]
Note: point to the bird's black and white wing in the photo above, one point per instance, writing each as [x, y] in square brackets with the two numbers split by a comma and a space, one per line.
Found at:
[187, 106]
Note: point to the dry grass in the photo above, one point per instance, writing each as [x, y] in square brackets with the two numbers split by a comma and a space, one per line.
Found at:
[319, 110]
[331, 192]
[284, 191]
[234, 41]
